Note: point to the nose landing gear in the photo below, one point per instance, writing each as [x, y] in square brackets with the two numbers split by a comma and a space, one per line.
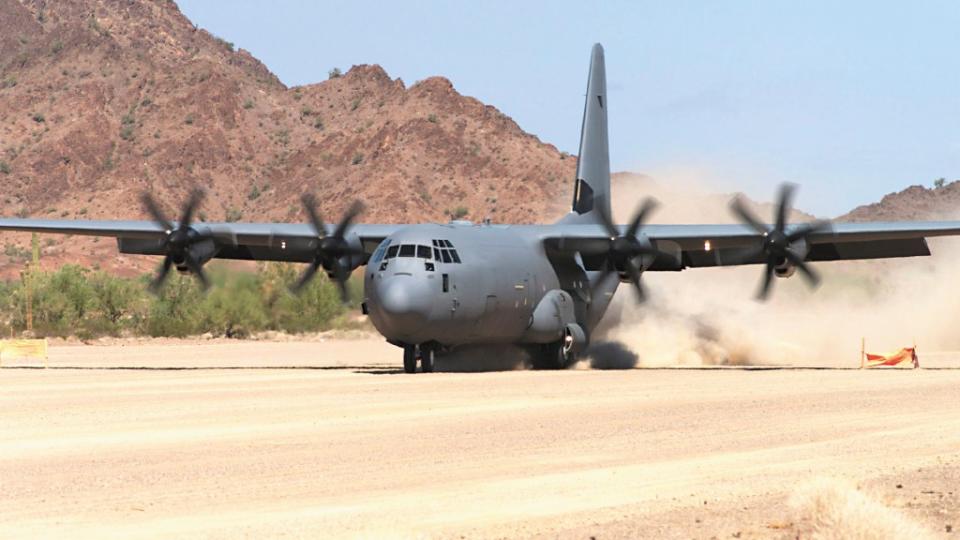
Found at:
[413, 353]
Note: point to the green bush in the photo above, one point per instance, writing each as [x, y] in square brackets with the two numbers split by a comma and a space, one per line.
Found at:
[74, 301]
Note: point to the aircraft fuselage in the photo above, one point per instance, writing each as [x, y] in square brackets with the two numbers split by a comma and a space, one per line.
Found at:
[463, 284]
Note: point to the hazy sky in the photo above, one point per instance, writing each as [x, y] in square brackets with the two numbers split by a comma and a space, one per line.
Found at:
[849, 99]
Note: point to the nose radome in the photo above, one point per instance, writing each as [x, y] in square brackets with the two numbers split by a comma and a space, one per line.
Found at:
[405, 301]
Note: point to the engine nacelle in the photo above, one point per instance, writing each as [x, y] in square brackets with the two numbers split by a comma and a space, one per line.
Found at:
[550, 318]
[202, 251]
[785, 268]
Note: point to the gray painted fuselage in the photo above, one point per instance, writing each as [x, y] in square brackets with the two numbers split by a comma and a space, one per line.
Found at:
[489, 297]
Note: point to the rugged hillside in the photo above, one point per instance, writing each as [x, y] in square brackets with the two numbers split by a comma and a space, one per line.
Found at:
[102, 99]
[915, 202]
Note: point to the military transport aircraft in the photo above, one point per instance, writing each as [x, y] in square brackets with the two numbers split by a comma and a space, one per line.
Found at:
[430, 288]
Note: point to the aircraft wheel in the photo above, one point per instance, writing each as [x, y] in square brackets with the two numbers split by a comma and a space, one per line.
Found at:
[426, 360]
[410, 359]
[551, 356]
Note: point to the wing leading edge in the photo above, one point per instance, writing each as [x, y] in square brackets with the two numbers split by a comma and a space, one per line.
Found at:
[247, 241]
[694, 246]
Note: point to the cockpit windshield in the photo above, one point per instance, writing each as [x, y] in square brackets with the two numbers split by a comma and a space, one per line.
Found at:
[410, 250]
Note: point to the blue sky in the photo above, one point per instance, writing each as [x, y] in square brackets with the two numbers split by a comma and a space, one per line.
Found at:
[851, 99]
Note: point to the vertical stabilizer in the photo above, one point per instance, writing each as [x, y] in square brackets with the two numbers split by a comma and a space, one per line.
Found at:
[591, 191]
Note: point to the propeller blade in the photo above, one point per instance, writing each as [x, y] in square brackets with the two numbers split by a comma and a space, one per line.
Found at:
[306, 277]
[783, 205]
[607, 222]
[600, 280]
[162, 275]
[812, 278]
[341, 277]
[154, 210]
[310, 205]
[746, 216]
[196, 196]
[197, 271]
[806, 229]
[767, 281]
[348, 218]
[634, 273]
[649, 205]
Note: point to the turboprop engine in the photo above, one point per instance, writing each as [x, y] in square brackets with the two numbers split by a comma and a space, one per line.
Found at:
[784, 268]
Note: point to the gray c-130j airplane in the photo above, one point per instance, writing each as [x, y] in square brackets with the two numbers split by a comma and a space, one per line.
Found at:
[430, 288]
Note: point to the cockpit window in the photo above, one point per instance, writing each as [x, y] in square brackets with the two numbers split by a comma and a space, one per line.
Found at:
[423, 252]
[407, 250]
[392, 252]
[443, 251]
[380, 252]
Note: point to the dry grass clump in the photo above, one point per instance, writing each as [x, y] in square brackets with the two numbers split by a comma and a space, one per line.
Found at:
[831, 509]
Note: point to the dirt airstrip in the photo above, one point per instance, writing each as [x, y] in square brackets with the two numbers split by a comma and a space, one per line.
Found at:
[328, 439]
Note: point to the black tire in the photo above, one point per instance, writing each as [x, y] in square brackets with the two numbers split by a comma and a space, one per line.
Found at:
[426, 360]
[551, 356]
[410, 359]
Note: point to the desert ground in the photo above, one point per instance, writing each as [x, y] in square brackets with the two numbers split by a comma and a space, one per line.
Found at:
[328, 438]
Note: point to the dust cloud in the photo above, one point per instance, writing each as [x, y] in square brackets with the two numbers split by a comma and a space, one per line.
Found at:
[482, 358]
[708, 316]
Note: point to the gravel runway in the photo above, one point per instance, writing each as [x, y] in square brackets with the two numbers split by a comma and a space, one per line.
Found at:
[329, 439]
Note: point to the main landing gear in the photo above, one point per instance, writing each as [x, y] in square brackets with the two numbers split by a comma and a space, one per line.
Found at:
[553, 356]
[412, 353]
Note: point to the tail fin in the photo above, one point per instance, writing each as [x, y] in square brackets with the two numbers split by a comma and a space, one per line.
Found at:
[592, 188]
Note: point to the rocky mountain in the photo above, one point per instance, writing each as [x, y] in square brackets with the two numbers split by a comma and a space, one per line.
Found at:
[103, 99]
[915, 202]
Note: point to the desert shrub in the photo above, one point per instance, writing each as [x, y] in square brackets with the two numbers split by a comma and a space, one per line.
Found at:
[334, 73]
[74, 301]
[61, 301]
[234, 307]
[122, 303]
[175, 312]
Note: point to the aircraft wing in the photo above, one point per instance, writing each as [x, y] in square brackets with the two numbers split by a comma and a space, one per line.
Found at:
[248, 241]
[723, 245]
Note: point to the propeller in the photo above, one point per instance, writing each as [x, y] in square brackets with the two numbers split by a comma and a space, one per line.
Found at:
[181, 241]
[624, 249]
[331, 249]
[778, 243]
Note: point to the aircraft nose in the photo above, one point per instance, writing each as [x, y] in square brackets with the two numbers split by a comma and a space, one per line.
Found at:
[405, 304]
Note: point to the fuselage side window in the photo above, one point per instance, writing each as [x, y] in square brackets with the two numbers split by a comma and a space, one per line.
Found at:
[423, 252]
[407, 250]
[392, 252]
